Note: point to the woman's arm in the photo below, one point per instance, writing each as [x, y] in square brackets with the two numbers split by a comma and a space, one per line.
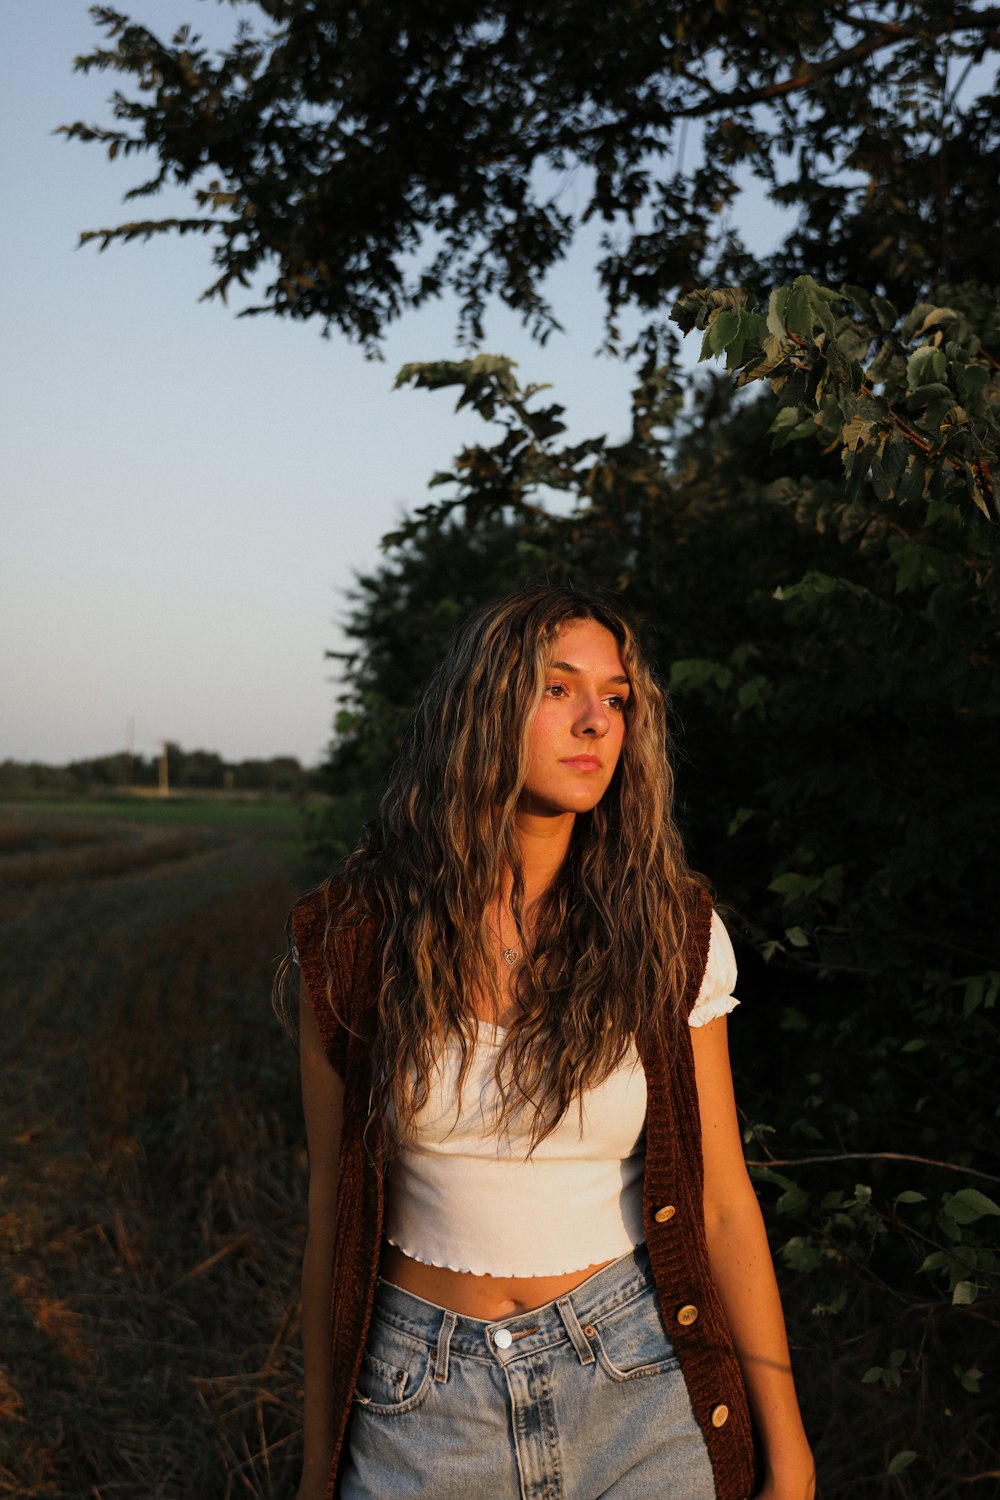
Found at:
[322, 1103]
[744, 1275]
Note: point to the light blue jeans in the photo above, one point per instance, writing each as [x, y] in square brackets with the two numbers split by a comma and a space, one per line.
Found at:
[579, 1399]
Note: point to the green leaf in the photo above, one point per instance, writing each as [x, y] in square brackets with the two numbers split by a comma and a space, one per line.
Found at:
[720, 333]
[777, 302]
[885, 312]
[797, 937]
[924, 395]
[799, 309]
[793, 886]
[970, 1379]
[792, 423]
[909, 1196]
[932, 317]
[800, 1254]
[750, 330]
[949, 1226]
[964, 1293]
[936, 1261]
[695, 672]
[754, 691]
[901, 1461]
[925, 366]
[854, 432]
[974, 990]
[793, 1201]
[969, 1204]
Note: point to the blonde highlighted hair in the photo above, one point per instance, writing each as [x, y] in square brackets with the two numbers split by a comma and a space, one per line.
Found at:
[605, 959]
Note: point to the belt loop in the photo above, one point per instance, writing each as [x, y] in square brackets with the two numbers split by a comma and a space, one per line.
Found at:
[443, 1346]
[572, 1325]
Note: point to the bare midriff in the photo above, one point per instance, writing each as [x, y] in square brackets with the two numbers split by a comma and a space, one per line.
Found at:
[473, 1296]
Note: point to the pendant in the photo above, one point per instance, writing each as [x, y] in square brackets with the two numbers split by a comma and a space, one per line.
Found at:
[510, 956]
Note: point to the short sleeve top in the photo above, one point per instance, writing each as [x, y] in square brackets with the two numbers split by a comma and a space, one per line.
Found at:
[716, 998]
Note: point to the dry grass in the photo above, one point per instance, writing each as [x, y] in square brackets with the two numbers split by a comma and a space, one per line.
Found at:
[151, 1203]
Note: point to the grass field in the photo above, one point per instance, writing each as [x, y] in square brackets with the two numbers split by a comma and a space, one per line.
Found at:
[215, 811]
[151, 1197]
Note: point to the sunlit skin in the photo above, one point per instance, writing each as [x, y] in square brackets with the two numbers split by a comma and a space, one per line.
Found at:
[574, 743]
[575, 737]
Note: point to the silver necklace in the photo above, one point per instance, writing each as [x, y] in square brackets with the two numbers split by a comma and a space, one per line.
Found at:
[509, 954]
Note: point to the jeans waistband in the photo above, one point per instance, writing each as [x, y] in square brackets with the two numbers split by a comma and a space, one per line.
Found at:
[564, 1319]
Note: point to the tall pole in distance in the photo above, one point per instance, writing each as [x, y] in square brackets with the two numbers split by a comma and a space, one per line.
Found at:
[164, 772]
[129, 749]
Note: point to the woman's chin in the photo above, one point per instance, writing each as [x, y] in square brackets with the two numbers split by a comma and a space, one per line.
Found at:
[559, 804]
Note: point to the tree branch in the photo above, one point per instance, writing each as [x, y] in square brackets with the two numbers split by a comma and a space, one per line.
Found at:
[889, 35]
[923, 1161]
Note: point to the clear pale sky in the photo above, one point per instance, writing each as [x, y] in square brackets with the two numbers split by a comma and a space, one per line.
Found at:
[187, 496]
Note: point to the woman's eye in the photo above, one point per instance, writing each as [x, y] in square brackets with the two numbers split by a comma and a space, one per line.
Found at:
[617, 702]
[556, 689]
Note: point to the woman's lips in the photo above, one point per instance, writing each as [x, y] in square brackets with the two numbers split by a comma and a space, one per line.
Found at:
[583, 762]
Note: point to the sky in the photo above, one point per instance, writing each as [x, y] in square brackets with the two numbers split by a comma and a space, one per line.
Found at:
[188, 496]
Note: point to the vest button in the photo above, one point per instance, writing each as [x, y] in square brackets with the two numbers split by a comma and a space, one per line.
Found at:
[687, 1314]
[720, 1415]
[664, 1214]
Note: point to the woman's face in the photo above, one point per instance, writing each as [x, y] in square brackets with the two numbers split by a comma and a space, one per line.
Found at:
[575, 737]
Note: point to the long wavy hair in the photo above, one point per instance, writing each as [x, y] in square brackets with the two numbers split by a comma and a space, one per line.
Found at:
[604, 962]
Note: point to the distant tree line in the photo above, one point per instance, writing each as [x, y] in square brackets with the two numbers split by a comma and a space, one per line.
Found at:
[188, 770]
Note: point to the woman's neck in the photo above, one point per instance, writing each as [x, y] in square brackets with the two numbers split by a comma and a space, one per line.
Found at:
[544, 843]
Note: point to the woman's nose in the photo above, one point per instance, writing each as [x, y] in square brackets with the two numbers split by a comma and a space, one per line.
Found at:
[593, 719]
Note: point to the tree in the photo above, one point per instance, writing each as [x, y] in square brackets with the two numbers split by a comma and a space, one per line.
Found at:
[337, 143]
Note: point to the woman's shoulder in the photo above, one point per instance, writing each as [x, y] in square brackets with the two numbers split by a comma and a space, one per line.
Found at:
[699, 908]
[330, 919]
[329, 931]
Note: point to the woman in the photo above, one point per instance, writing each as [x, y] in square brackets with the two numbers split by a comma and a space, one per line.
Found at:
[535, 1266]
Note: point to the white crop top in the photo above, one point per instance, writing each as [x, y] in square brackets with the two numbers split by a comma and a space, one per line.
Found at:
[462, 1196]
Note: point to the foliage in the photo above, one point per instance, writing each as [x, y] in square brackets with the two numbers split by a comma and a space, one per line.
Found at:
[375, 156]
[840, 704]
[913, 403]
